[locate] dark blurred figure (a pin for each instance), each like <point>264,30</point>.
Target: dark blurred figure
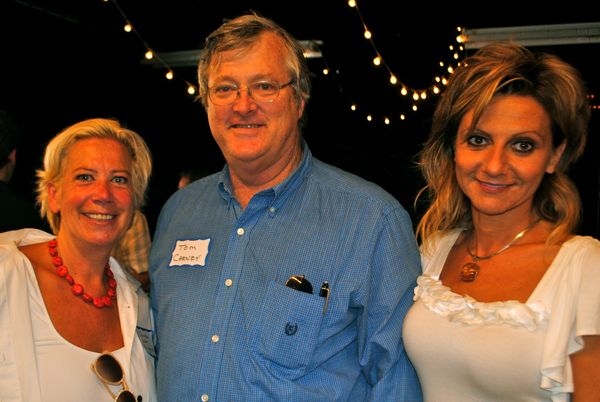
<point>190,175</point>
<point>16,212</point>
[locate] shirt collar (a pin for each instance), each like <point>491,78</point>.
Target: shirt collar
<point>279,192</point>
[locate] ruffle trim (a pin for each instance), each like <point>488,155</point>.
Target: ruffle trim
<point>464,309</point>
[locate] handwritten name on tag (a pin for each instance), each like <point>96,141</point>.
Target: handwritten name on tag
<point>190,252</point>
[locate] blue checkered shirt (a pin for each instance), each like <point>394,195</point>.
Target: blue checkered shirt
<point>230,330</point>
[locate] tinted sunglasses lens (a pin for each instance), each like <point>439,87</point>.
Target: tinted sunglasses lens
<point>110,370</point>
<point>125,396</point>
<point>299,282</point>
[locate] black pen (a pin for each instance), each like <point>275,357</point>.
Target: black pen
<point>324,292</point>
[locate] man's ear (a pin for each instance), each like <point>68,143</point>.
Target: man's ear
<point>12,156</point>
<point>301,108</point>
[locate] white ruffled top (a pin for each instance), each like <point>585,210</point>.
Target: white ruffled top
<point>442,301</point>
<point>565,304</point>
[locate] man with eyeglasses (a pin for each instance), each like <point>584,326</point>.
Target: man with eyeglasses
<point>280,278</point>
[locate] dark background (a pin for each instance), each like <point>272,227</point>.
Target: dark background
<point>64,61</point>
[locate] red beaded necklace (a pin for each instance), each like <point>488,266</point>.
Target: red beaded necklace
<point>76,288</point>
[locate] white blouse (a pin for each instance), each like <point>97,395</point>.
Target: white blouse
<point>465,350</point>
<point>33,356</point>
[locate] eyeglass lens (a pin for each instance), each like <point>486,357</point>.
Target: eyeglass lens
<point>109,369</point>
<point>262,91</point>
<point>126,396</point>
<point>299,282</point>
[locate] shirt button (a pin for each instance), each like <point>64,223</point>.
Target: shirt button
<point>272,210</point>
<point>228,282</point>
<point>204,398</point>
<point>240,231</point>
<point>214,338</point>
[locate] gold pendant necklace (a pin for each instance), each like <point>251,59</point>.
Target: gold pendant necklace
<point>471,269</point>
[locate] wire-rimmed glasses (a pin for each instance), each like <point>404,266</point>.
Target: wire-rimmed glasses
<point>109,371</point>
<point>222,94</point>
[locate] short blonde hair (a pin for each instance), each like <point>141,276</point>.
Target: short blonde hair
<point>58,148</point>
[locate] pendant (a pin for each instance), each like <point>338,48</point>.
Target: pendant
<point>469,272</point>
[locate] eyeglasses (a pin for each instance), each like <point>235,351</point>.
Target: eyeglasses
<point>261,91</point>
<point>109,371</point>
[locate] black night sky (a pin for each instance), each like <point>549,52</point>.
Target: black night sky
<point>64,61</point>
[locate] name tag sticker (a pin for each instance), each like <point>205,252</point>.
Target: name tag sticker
<point>189,252</point>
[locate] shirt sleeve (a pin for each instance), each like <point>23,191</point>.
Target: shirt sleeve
<point>575,312</point>
<point>133,249</point>
<point>394,269</point>
<point>587,315</point>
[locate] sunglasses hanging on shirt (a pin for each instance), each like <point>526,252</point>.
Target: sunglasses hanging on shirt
<point>109,371</point>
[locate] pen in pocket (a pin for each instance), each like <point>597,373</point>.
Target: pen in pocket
<point>324,292</point>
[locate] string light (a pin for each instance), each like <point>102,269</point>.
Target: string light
<point>417,94</point>
<point>149,53</point>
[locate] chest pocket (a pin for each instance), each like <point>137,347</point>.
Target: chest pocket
<point>287,329</point>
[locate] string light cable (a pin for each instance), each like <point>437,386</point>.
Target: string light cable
<point>417,95</point>
<point>150,54</point>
